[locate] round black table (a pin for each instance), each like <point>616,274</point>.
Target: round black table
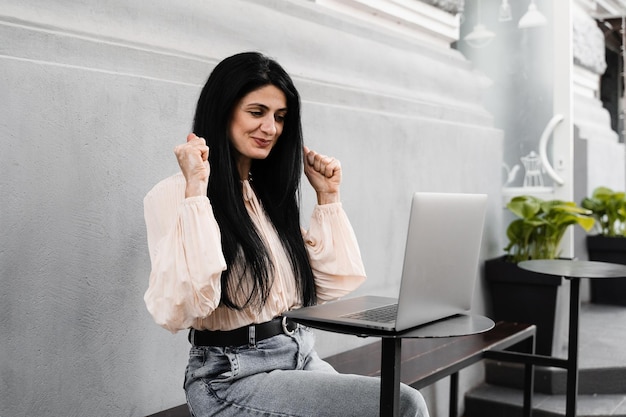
<point>391,352</point>
<point>573,271</point>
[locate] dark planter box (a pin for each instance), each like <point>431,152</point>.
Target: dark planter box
<point>525,297</point>
<point>608,249</point>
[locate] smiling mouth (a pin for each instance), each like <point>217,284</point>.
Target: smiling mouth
<point>263,143</point>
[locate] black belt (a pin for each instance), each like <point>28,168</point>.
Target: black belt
<point>247,335</point>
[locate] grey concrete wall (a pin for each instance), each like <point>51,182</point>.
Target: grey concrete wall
<point>95,95</point>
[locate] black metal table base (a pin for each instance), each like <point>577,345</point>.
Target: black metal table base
<point>390,373</point>
<point>573,271</point>
<point>572,348</point>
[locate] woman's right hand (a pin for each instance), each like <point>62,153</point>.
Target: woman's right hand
<point>193,159</point>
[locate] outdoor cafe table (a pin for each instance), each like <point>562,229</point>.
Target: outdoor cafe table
<point>459,325</point>
<point>573,271</point>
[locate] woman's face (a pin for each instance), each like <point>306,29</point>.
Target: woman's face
<point>257,122</point>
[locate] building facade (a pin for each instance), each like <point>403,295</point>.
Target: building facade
<point>97,93</point>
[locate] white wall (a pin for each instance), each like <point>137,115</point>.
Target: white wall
<point>95,95</point>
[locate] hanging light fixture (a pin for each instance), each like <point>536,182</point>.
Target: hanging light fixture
<point>532,18</point>
<point>504,13</point>
<point>480,36</point>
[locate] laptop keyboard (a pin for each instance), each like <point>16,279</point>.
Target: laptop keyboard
<point>384,314</point>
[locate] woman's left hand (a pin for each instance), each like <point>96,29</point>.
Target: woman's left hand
<point>324,174</point>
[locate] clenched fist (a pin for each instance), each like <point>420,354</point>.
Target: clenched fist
<point>324,174</point>
<point>193,159</point>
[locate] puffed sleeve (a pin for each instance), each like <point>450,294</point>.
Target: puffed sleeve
<point>186,255</point>
<point>334,252</point>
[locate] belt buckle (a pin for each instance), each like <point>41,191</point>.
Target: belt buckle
<point>285,329</point>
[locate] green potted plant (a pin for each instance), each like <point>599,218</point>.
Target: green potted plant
<point>540,227</point>
<point>608,207</point>
<point>535,233</point>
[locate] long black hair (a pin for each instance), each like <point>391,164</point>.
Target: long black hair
<point>276,181</point>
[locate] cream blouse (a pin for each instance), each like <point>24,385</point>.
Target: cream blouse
<point>187,260</point>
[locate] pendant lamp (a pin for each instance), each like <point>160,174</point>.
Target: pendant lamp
<point>532,18</point>
<point>480,36</point>
<point>504,12</point>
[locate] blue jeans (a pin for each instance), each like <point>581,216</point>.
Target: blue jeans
<point>282,376</point>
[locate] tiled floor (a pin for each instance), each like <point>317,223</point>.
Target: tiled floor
<point>602,340</point>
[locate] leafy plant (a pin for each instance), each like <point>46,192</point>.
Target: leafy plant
<point>541,225</point>
<point>608,207</point>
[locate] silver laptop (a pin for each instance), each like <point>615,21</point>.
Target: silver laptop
<point>439,272</point>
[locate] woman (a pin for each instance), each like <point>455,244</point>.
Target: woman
<point>229,257</point>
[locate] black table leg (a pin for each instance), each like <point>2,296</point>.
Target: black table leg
<point>390,376</point>
<point>529,382</point>
<point>572,349</point>
<point>454,394</point>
